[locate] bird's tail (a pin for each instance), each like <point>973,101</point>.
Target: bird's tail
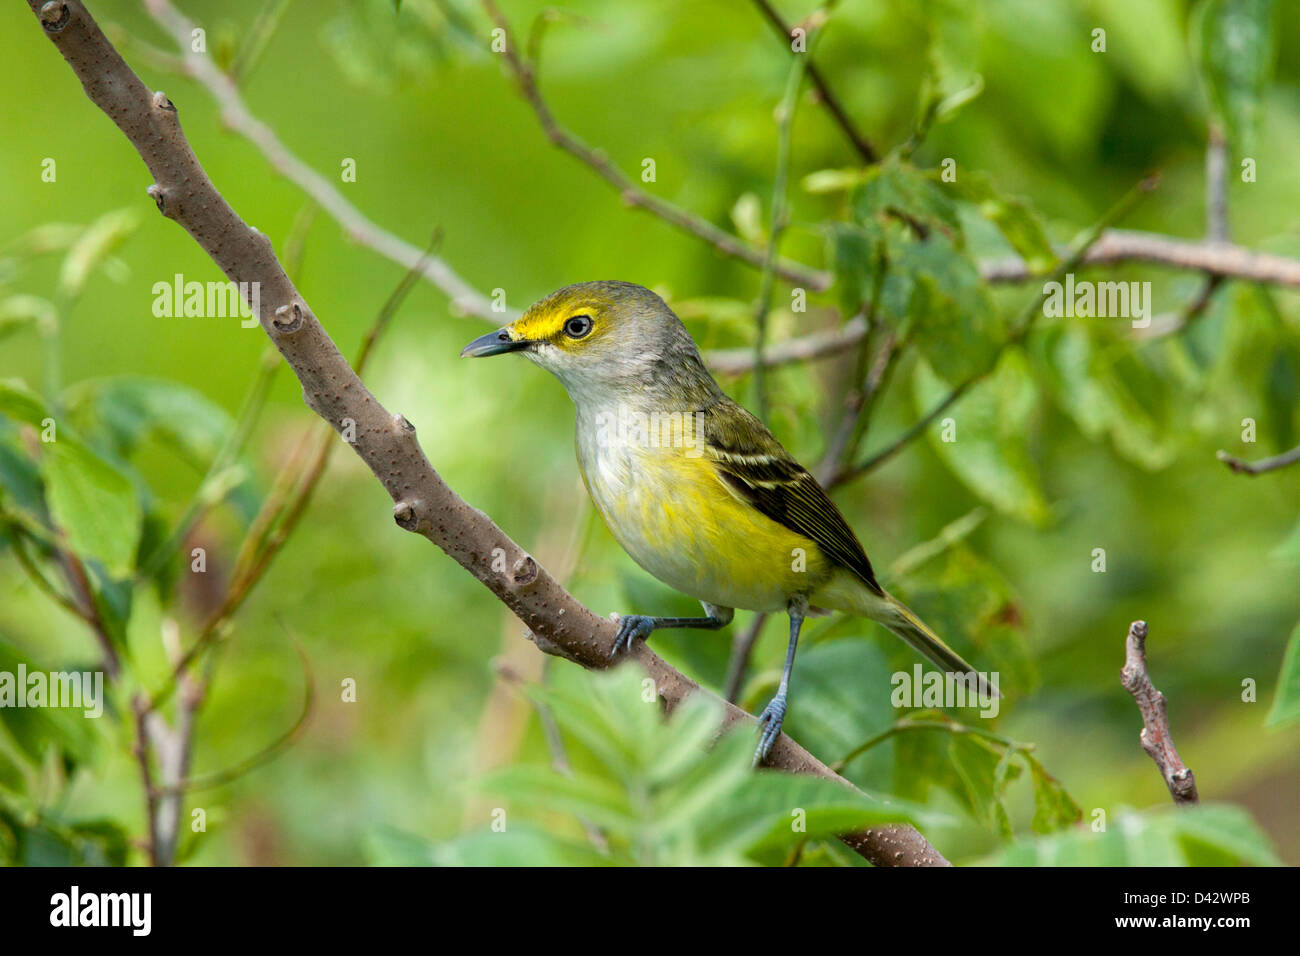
<point>899,618</point>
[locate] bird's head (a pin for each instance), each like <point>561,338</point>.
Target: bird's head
<point>601,339</point>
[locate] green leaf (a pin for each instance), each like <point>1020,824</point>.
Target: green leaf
<point>1017,222</point>
<point>1054,809</point>
<point>856,252</point>
<point>1286,705</point>
<point>94,503</point>
<point>586,797</point>
<point>132,409</point>
<point>518,845</point>
<point>1182,836</point>
<point>973,606</point>
<point>1111,392</point>
<point>90,499</point>
<point>902,189</point>
<point>772,812</point>
<point>985,770</point>
<point>22,493</point>
<point>989,427</point>
<point>93,248</point>
<point>935,290</point>
<point>18,312</point>
<point>678,791</point>
<point>1235,46</point>
<point>20,403</point>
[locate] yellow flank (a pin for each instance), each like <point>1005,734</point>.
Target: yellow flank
<point>679,521</point>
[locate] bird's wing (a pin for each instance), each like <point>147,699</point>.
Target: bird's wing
<point>753,464</point>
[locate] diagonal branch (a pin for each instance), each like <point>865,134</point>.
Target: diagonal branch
<point>525,74</point>
<point>1156,739</point>
<point>236,114</point>
<point>828,97</point>
<point>1243,467</point>
<point>424,503</point>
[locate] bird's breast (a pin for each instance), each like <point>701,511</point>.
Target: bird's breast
<point>674,516</point>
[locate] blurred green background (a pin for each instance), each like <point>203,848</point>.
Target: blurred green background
<point>441,139</point>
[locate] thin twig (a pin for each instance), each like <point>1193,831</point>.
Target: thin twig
<point>525,74</point>
<point>816,345</point>
<point>1174,322</point>
<point>37,576</point>
<point>824,92</point>
<point>1123,245</point>
<point>767,285</point>
<point>1243,467</point>
<point>236,115</point>
<point>141,751</point>
<point>268,753</point>
<point>742,647</point>
<point>1156,739</point>
<point>908,724</point>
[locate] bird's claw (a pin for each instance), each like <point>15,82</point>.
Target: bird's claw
<point>770,721</point>
<point>630,627</point>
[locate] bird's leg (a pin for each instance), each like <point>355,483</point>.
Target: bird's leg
<point>773,714</point>
<point>632,626</point>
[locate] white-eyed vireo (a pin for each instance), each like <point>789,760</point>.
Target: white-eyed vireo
<point>695,488</point>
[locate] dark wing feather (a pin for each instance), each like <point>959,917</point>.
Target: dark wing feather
<point>754,465</point>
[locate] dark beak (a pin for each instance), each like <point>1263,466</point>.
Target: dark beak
<point>494,343</point>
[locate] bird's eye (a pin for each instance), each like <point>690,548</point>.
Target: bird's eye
<point>576,326</point>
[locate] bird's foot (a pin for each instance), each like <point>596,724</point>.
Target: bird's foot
<point>770,721</point>
<point>631,627</point>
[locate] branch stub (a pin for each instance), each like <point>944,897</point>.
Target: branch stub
<point>55,16</point>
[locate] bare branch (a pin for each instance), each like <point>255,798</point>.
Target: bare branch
<point>358,227</point>
<point>1218,262</point>
<point>806,348</point>
<point>827,96</point>
<point>1243,467</point>
<point>1156,739</point>
<point>525,75</point>
<point>742,646</point>
<point>1122,245</point>
<point>424,503</point>
<point>767,286</point>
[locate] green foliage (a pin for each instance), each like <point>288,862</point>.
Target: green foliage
<point>89,499</point>
<point>1286,705</point>
<point>1204,835</point>
<point>664,792</point>
<point>985,441</point>
<point>1235,45</point>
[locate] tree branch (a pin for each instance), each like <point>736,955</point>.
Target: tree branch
<point>828,97</point>
<point>1243,467</point>
<point>1156,739</point>
<point>424,503</point>
<point>1124,245</point>
<point>805,348</point>
<point>525,74</point>
<point>358,227</point>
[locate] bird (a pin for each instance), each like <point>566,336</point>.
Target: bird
<point>694,487</point>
